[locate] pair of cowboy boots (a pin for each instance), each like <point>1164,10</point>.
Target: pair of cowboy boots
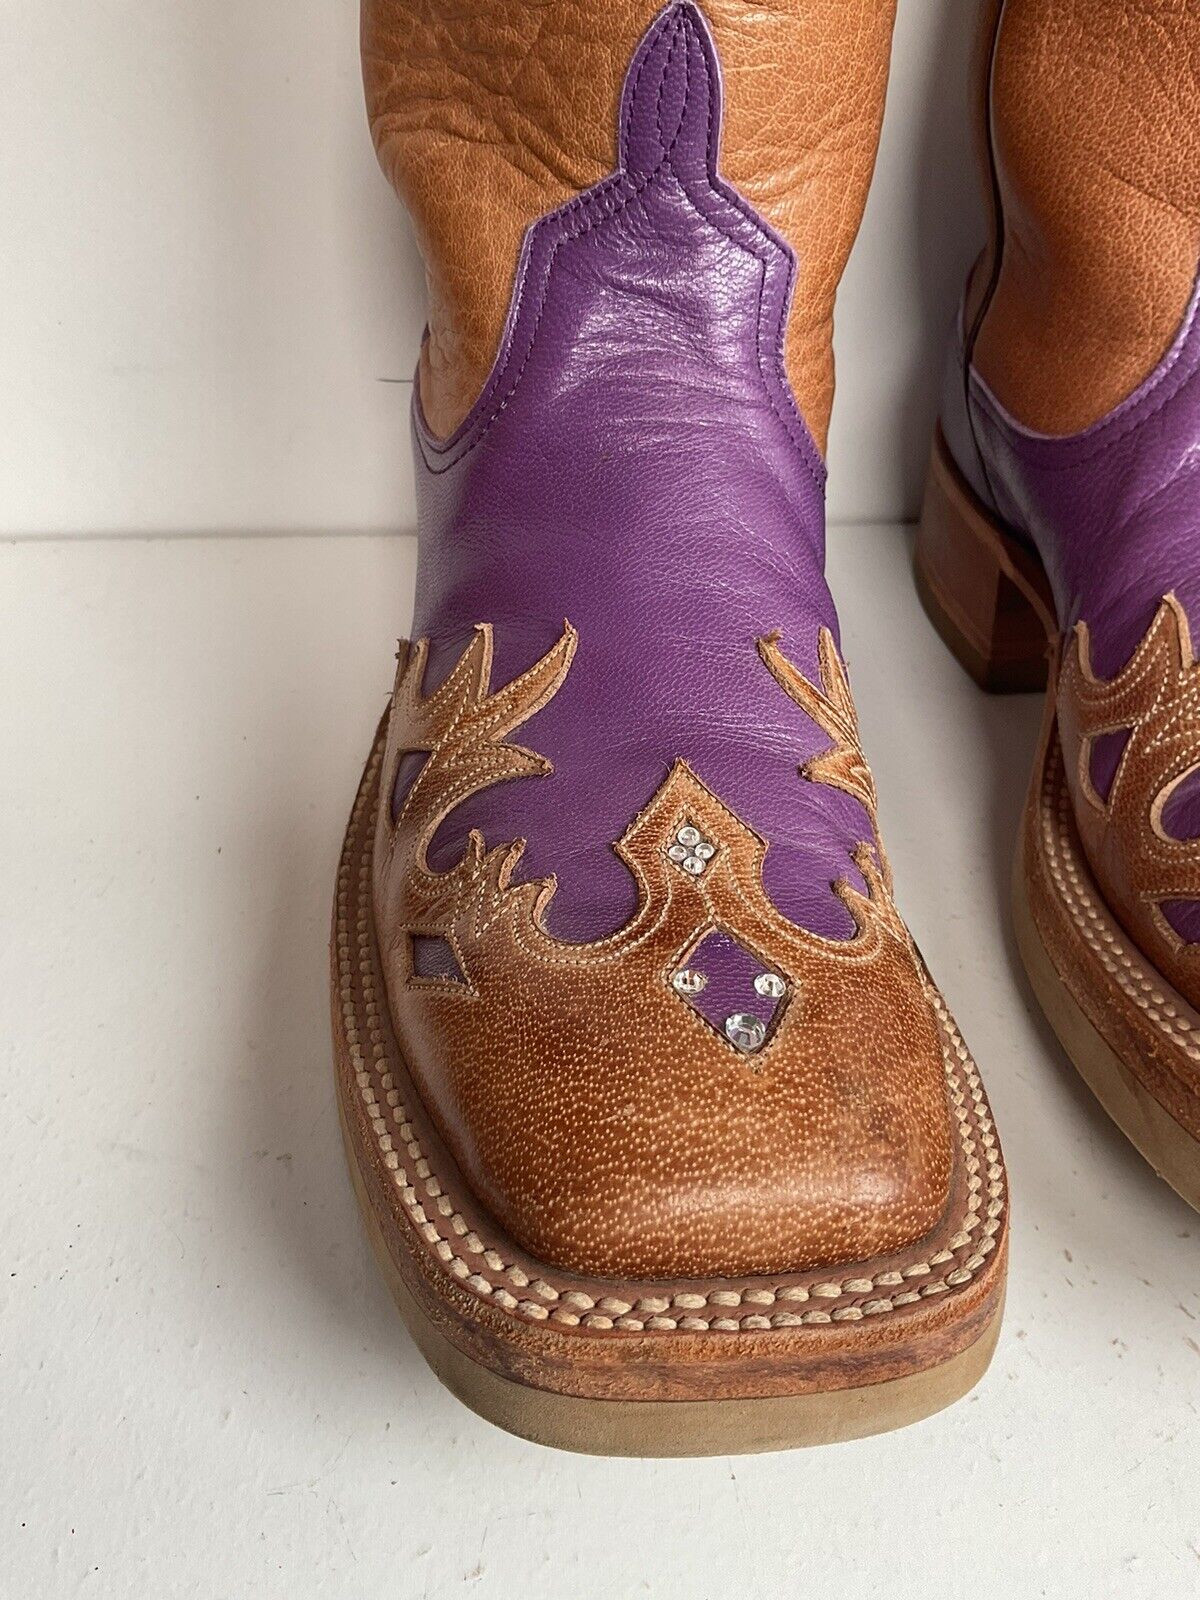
<point>665,1137</point>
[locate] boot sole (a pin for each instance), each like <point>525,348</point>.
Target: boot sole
<point>656,1428</point>
<point>1166,1145</point>
<point>670,1368</point>
<point>1133,1039</point>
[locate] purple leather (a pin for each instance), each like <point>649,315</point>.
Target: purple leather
<point>1114,511</point>
<point>1179,814</point>
<point>1181,820</point>
<point>1184,917</point>
<point>1104,758</point>
<point>729,971</point>
<point>432,957</point>
<point>637,464</point>
<point>1114,514</point>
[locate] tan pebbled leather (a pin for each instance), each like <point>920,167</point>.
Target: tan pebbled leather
<point>1111,975</point>
<point>608,1127</point>
<point>1129,1033</point>
<point>819,1355</point>
<point>1155,699</point>
<point>1095,125</point>
<point>487,117</point>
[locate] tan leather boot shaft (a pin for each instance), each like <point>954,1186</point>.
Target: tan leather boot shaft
<point>1095,132</point>
<point>487,117</point>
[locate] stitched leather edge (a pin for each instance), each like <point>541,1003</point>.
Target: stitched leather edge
<point>1172,1020</point>
<point>448,1238</point>
<point>714,203</point>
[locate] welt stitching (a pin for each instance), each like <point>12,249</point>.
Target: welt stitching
<point>1097,930</point>
<point>609,1312</point>
<point>791,419</point>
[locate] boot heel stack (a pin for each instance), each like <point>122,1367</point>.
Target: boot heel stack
<point>986,595</point>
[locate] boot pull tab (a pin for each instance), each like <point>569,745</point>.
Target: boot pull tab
<point>671,106</point>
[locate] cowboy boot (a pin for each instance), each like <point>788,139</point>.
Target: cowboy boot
<point>666,1140</point>
<point>1063,503</point>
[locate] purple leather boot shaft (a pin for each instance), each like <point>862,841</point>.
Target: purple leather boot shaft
<point>637,465</point>
<point>1113,511</point>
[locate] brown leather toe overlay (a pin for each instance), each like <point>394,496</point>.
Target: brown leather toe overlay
<point>1153,706</point>
<point>606,1123</point>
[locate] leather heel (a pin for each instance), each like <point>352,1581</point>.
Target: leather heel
<point>986,595</point>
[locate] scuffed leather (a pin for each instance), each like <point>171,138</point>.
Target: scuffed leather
<point>488,117</point>
<point>1095,124</point>
<point>603,1122</point>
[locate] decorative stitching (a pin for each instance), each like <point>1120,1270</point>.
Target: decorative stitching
<point>1093,922</point>
<point>1156,696</point>
<point>843,766</point>
<point>439,456</point>
<point>484,718</point>
<point>1124,420</point>
<point>667,149</point>
<point>452,1241</point>
<point>479,419</point>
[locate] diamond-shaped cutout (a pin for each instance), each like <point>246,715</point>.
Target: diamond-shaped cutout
<point>432,959</point>
<point>735,992</point>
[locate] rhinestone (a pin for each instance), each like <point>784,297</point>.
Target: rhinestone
<point>705,850</point>
<point>689,981</point>
<point>677,852</point>
<point>745,1031</point>
<point>688,836</point>
<point>692,864</point>
<point>769,984</point>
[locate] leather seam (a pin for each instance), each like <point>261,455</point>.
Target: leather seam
<point>981,1215</point>
<point>439,458</point>
<point>1126,419</point>
<point>1063,867</point>
<point>589,203</point>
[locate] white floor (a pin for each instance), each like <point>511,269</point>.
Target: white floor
<point>204,1389</point>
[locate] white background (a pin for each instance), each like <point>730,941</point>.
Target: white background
<point>205,1392</point>
<point>205,282</point>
